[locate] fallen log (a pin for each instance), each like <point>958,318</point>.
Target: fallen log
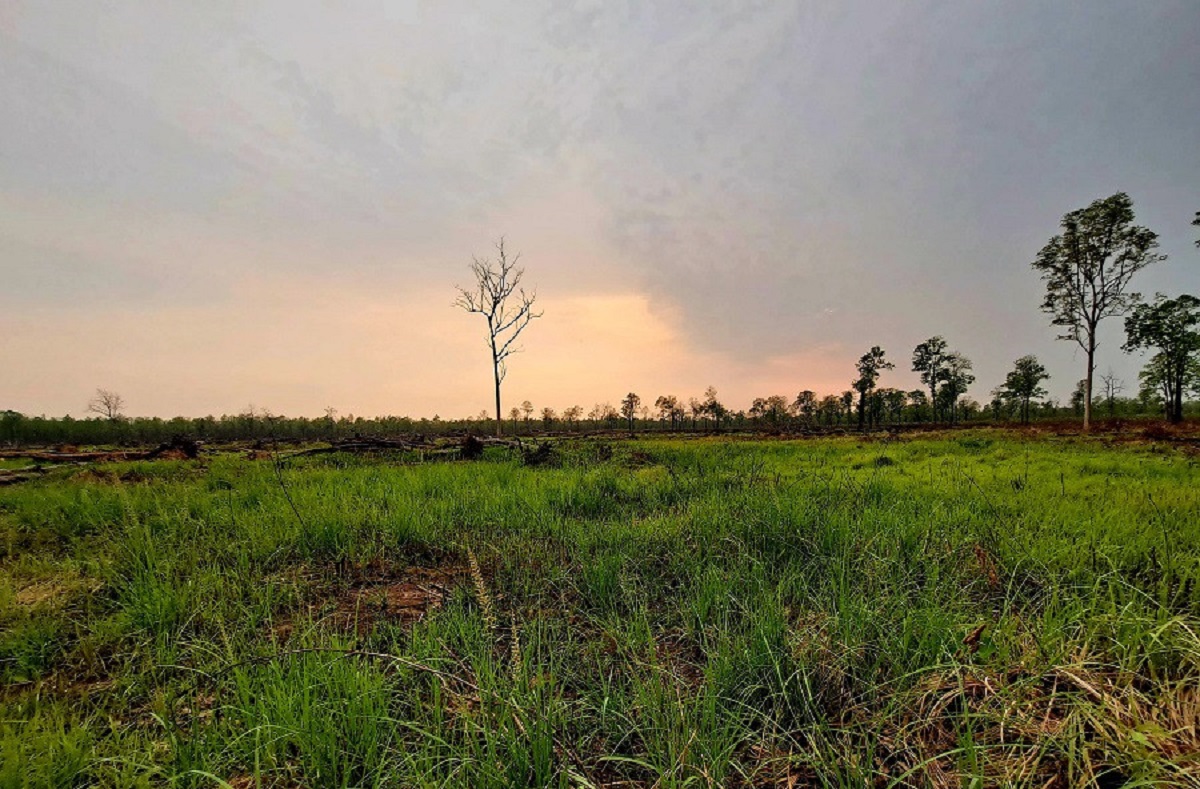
<point>13,476</point>
<point>364,445</point>
<point>468,447</point>
<point>71,457</point>
<point>503,442</point>
<point>177,447</point>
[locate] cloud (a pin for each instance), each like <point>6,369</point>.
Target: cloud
<point>778,185</point>
<point>296,344</point>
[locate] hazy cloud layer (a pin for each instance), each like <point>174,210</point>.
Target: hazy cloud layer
<point>763,192</point>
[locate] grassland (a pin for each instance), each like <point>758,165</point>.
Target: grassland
<point>969,609</point>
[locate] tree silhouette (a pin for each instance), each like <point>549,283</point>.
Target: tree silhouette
<point>805,405</point>
<point>1173,327</point>
<point>1024,383</point>
<point>1087,270</point>
<point>629,407</point>
<point>830,409</point>
<point>955,377</point>
<point>713,407</point>
<point>869,366</point>
<point>893,401</point>
<point>107,404</point>
<point>847,401</point>
<point>928,359</point>
<point>1158,385</point>
<point>775,409</point>
<point>918,400</point>
<point>1113,386</point>
<point>669,409</point>
<point>504,304</point>
<point>604,412</point>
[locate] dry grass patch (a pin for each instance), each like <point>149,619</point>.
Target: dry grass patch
<point>1086,720</point>
<point>358,598</point>
<point>44,595</point>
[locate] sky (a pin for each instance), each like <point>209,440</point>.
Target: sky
<point>211,206</point>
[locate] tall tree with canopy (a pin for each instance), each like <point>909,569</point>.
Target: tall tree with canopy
<point>805,405</point>
<point>1087,270</point>
<point>829,410</point>
<point>573,414</point>
<point>928,359</point>
<point>713,407</point>
<point>894,401</point>
<point>773,409</point>
<point>1024,383</point>
<point>917,399</point>
<point>667,405</point>
<point>629,408</point>
<point>1158,387</point>
<point>1172,326</point>
<point>504,304</point>
<point>955,377</point>
<point>847,401</point>
<point>869,366</point>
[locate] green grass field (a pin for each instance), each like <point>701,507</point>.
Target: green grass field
<point>967,609</point>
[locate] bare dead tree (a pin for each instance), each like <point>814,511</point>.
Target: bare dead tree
<point>1113,386</point>
<point>107,404</point>
<point>504,304</point>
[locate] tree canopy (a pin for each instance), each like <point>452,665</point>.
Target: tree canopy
<point>1024,383</point>
<point>1087,269</point>
<point>928,359</point>
<point>1172,326</point>
<point>869,366</point>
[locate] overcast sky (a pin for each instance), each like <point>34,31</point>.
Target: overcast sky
<point>205,206</point>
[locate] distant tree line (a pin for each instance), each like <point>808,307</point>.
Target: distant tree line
<point>1021,398</point>
<point>1087,270</point>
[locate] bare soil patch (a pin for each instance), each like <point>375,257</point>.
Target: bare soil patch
<point>360,598</point>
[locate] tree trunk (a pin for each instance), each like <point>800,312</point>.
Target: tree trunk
<point>1087,387</point>
<point>499,418</point>
<point>1177,403</point>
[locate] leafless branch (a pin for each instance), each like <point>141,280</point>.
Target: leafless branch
<point>507,308</point>
<point>107,404</point>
